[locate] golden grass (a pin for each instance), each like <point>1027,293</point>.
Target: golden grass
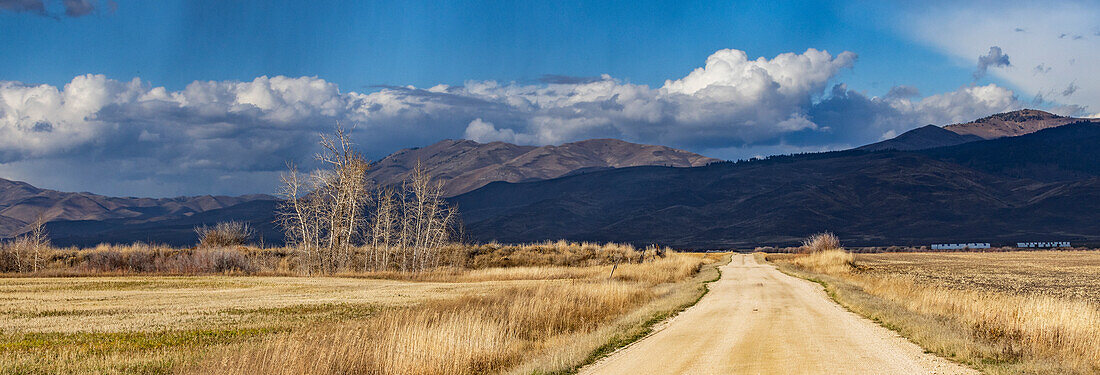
<point>833,261</point>
<point>500,319</point>
<point>471,335</point>
<point>994,330</point>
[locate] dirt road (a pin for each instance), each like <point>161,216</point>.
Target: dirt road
<point>756,320</point>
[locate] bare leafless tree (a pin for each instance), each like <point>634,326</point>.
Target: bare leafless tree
<point>330,212</point>
<point>299,216</point>
<point>384,228</point>
<point>346,195</point>
<point>323,213</point>
<point>29,250</point>
<point>427,220</point>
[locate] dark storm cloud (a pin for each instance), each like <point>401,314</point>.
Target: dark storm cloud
<point>30,6</point>
<point>854,118</point>
<point>995,58</point>
<point>1072,88</point>
<point>73,8</point>
<point>78,8</point>
<point>902,92</point>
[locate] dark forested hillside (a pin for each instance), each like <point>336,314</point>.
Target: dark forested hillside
<point>980,191</point>
<point>1063,153</point>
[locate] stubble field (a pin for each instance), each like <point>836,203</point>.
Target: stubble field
<point>1064,274</point>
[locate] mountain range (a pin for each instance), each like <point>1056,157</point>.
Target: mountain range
<point>467,165</point>
<point>1008,124</point>
<point>1023,175</point>
<point>21,204</point>
<point>1037,186</point>
<point>87,219</point>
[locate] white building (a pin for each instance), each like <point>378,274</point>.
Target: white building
<point>960,246</point>
<point>1043,244</point>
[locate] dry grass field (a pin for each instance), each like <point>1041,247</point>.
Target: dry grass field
<point>1064,274</point>
<point>1031,312</point>
<point>548,318</point>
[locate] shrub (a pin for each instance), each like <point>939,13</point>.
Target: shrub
<point>230,233</point>
<point>9,258</point>
<point>821,242</point>
<point>105,260</point>
<point>222,261</point>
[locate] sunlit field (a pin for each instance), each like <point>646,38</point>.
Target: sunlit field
<point>1064,274</point>
<point>1005,313</point>
<point>549,314</point>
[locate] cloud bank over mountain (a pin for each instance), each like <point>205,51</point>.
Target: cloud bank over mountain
<point>130,137</point>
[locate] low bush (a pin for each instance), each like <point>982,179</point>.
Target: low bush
<point>231,233</point>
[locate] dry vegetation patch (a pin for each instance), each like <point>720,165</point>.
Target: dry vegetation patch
<point>1010,313</point>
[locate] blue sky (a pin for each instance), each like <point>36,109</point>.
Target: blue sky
<point>358,44</point>
<point>166,98</point>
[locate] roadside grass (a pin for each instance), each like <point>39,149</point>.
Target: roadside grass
<point>566,359</point>
<point>995,332</point>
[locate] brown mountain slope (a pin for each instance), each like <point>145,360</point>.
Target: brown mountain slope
<point>467,165</point>
<point>21,204</point>
<point>1011,124</point>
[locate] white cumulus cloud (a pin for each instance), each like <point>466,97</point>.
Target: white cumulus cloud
<point>130,137</point>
